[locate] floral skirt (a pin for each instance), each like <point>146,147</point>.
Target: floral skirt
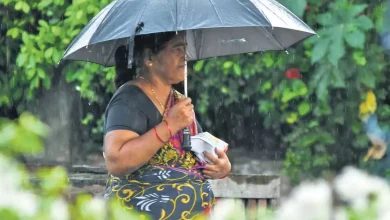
<point>162,193</point>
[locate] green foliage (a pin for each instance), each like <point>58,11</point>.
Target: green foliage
<point>296,6</point>
<point>45,198</point>
<point>312,119</point>
<point>38,33</point>
<point>23,135</point>
<point>315,117</point>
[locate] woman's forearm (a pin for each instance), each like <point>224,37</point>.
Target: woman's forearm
<point>138,151</point>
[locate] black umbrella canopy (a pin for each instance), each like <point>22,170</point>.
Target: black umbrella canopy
<point>213,27</point>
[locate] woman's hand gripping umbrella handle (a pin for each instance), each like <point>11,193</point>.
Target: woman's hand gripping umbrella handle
<point>186,144</point>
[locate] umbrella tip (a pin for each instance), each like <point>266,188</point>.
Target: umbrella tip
<point>58,63</point>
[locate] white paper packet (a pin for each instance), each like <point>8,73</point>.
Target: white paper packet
<point>206,142</point>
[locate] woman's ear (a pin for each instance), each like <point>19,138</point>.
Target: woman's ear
<point>148,57</point>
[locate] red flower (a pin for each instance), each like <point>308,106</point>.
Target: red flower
<point>293,73</point>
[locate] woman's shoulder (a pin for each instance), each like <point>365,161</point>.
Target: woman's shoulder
<point>127,94</point>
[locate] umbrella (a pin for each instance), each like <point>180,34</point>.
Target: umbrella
<point>213,28</point>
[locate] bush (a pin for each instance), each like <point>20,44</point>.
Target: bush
<point>46,198</point>
<point>312,119</point>
<point>307,101</point>
<point>352,195</point>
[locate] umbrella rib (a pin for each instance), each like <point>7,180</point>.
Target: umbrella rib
<point>112,51</point>
<point>131,41</point>
<point>195,40</point>
<point>257,9</point>
<point>281,45</point>
<point>98,29</point>
<point>262,13</point>
<point>176,22</point>
<point>216,12</point>
<point>272,12</point>
<point>79,35</point>
<point>185,6</point>
<point>197,51</point>
<point>143,12</point>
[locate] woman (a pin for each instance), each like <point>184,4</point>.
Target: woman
<point>148,170</point>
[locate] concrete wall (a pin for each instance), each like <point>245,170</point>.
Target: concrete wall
<point>58,107</point>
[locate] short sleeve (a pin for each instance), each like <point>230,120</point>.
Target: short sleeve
<point>123,112</point>
<point>125,117</point>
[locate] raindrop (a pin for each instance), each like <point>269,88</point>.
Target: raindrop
<point>89,103</point>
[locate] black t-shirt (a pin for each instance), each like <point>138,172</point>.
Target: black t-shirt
<point>131,109</point>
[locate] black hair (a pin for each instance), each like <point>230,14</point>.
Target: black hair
<point>154,42</point>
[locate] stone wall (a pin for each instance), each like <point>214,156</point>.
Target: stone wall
<point>58,107</point>
<point>262,190</point>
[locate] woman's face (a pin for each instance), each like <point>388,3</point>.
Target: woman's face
<point>170,62</point>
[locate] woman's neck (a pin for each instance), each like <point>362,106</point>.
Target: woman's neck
<point>160,85</point>
<point>159,90</point>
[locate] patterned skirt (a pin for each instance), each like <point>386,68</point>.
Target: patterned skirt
<point>162,192</point>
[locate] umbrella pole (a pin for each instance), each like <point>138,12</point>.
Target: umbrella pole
<point>186,145</point>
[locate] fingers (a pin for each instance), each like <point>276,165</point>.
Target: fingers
<point>185,101</point>
<point>207,177</point>
<point>220,167</point>
<point>210,167</point>
<point>211,157</point>
<point>182,113</point>
<point>188,113</point>
<point>188,110</point>
<point>220,153</point>
<point>209,173</point>
<point>187,107</point>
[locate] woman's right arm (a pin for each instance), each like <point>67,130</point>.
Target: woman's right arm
<point>125,151</point>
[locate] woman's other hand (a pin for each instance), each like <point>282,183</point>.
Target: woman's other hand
<point>221,165</point>
<point>181,115</point>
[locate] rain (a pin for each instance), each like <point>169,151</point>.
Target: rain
<point>288,119</point>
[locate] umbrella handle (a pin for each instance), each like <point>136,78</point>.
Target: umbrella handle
<point>186,145</point>
<point>185,82</point>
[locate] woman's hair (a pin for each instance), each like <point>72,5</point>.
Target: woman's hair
<point>153,42</point>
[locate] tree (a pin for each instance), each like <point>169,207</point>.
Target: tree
<point>313,118</point>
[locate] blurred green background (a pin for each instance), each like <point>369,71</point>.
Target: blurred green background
<point>253,101</point>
